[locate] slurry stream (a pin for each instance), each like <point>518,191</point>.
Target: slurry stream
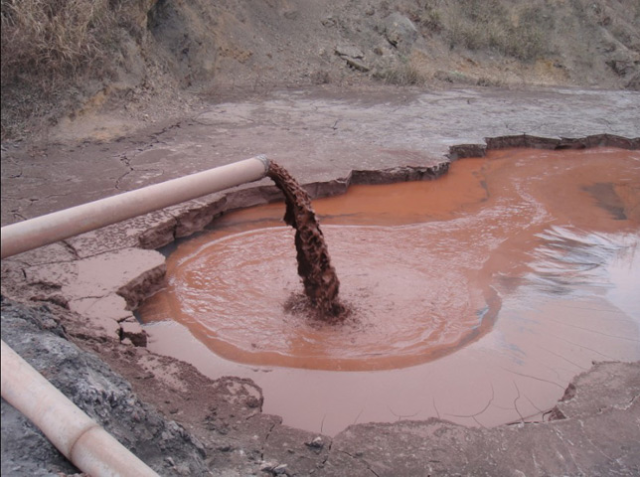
<point>477,297</point>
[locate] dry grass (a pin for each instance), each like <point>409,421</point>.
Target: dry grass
<point>488,25</point>
<point>53,37</point>
<point>404,74</point>
<point>54,45</point>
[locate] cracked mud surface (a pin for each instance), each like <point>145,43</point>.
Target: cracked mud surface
<point>321,138</point>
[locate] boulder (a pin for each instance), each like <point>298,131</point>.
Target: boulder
<point>400,32</point>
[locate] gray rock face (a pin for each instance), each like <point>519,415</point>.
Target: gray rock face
<point>400,32</point>
<point>94,388</point>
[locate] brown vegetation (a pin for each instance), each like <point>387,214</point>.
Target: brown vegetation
<point>57,55</point>
<point>52,47</point>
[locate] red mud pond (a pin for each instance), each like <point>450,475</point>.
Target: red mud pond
<point>476,297</point>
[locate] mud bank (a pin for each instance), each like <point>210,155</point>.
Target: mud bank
<point>508,271</point>
<point>195,219</point>
<point>593,431</point>
<point>74,279</point>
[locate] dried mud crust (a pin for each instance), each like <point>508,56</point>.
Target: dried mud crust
<point>225,415</point>
<point>204,427</point>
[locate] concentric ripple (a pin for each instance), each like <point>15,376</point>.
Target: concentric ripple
<point>407,307</point>
<point>505,279</point>
<point>421,284</point>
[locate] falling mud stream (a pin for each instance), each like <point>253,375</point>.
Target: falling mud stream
<point>321,284</point>
<point>475,298</point>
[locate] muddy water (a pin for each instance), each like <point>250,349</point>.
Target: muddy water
<point>515,271</point>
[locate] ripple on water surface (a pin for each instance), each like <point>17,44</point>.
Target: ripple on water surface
<point>512,270</point>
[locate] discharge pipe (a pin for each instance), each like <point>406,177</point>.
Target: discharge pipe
<point>81,439</point>
<point>44,230</point>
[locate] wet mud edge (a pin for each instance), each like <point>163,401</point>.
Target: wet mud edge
<point>351,452</point>
<point>193,219</point>
<point>197,218</point>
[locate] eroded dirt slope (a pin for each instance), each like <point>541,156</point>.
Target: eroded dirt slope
<point>146,59</point>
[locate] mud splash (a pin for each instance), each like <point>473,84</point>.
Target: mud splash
<point>321,284</point>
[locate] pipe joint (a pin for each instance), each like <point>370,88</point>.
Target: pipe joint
<point>265,161</point>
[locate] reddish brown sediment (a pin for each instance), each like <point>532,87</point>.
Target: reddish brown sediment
<point>495,282</point>
<point>321,284</point>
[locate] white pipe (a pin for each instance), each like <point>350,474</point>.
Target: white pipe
<point>92,449</point>
<point>76,435</point>
<point>50,228</point>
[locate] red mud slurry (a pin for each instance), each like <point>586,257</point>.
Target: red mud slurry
<point>321,285</point>
<point>516,271</point>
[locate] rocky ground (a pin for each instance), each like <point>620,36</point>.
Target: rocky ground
<point>67,307</point>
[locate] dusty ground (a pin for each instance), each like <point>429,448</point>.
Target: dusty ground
<point>68,313</point>
<point>154,59</point>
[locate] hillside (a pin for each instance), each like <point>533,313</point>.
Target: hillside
<point>153,58</point>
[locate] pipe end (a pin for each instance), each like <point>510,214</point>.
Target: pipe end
<point>265,161</point>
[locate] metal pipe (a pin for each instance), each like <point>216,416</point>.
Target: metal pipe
<point>81,439</point>
<point>50,228</point>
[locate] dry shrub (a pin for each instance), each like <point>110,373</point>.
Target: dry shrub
<point>403,74</point>
<point>53,38</point>
<point>50,48</point>
<point>487,25</point>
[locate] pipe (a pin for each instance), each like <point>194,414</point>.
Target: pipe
<point>81,439</point>
<point>29,234</point>
<point>78,437</point>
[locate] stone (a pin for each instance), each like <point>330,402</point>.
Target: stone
<point>267,466</point>
<point>349,51</point>
<point>400,32</point>
<point>357,65</point>
<point>316,443</point>
<point>353,56</point>
<point>280,469</point>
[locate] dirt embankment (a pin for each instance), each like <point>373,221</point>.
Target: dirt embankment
<point>64,61</point>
